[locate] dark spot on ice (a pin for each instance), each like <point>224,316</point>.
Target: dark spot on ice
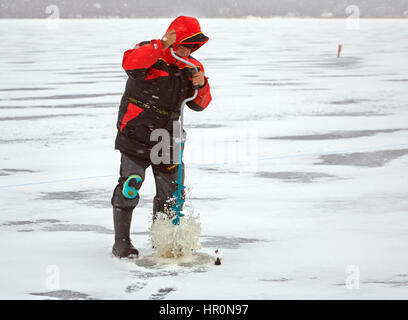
<point>22,62</point>
<point>337,135</point>
<point>65,295</point>
<point>161,293</point>
<point>298,177</point>
<point>362,159</point>
<point>275,280</point>
<point>396,80</point>
<point>7,172</point>
<point>17,223</point>
<point>78,228</point>
<point>348,101</point>
<point>339,284</point>
<point>28,222</point>
<point>395,281</point>
<point>225,242</point>
<point>47,221</point>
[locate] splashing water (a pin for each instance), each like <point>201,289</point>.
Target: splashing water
<point>176,242</point>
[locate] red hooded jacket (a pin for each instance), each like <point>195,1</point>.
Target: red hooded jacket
<point>156,86</point>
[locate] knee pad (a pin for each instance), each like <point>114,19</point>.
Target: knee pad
<point>131,186</point>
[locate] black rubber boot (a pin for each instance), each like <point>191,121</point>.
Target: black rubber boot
<point>163,207</point>
<point>123,247</point>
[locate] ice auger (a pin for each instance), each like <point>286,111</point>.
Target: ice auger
<point>180,187</point>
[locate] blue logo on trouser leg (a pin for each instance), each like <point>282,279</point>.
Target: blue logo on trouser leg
<point>129,190</point>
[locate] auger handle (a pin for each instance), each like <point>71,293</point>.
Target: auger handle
<point>180,187</point>
<point>188,99</point>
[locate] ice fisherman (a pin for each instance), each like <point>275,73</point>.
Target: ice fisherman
<point>157,84</point>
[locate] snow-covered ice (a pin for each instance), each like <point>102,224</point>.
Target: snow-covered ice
<point>297,169</point>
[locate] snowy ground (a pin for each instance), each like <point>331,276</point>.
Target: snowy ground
<point>298,168</point>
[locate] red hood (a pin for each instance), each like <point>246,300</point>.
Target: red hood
<point>188,30</point>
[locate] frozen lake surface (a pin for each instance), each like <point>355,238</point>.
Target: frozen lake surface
<point>298,168</point>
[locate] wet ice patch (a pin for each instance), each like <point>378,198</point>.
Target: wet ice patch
<point>176,242</point>
<point>7,172</point>
<point>78,228</point>
<point>399,280</point>
<point>337,135</point>
<point>69,195</point>
<point>226,242</point>
<point>348,101</point>
<point>197,261</point>
<point>29,222</point>
<point>298,177</point>
<point>362,159</point>
<point>97,198</point>
<point>64,295</point>
<point>397,80</point>
<point>275,280</point>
